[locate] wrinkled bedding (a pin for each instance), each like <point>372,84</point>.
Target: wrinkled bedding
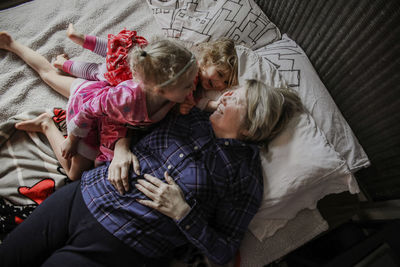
<point>29,171</point>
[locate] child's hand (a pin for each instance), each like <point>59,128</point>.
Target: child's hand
<point>118,171</point>
<point>186,106</point>
<point>212,105</point>
<point>69,147</point>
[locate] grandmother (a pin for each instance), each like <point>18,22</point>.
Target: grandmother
<point>200,184</point>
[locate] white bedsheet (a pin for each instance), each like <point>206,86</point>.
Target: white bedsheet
<point>41,25</point>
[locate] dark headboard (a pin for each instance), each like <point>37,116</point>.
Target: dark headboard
<point>355,48</point>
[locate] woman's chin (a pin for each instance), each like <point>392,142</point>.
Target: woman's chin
<point>214,117</point>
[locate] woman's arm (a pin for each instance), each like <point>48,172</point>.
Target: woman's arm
<point>220,238</point>
<point>218,241</point>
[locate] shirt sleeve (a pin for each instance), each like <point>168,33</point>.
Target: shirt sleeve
<point>116,103</point>
<point>220,241</point>
<point>110,132</point>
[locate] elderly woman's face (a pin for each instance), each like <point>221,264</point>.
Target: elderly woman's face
<point>227,120</point>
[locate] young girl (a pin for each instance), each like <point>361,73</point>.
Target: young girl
<point>163,71</point>
<point>217,61</point>
<point>115,49</point>
<point>115,71</point>
<point>218,71</point>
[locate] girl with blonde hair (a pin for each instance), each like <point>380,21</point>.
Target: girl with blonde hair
<point>218,71</point>
<point>98,113</point>
<point>217,62</point>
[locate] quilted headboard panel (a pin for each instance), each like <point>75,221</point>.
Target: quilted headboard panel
<point>354,46</point>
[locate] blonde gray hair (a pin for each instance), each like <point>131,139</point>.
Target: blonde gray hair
<point>161,62</point>
<point>269,110</point>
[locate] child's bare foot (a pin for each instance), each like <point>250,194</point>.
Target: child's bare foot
<point>60,60</point>
<point>75,36</point>
<point>5,40</point>
<point>38,124</point>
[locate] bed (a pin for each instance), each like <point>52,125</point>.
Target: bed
<point>317,155</point>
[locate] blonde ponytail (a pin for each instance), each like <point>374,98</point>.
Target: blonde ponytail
<point>159,62</point>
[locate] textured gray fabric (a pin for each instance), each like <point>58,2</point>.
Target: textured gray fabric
<point>41,25</point>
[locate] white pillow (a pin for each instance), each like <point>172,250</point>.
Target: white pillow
<point>300,166</point>
<point>252,66</point>
<point>199,21</point>
<point>295,67</point>
<point>299,169</point>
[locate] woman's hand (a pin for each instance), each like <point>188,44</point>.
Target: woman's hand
<point>118,171</point>
<point>166,198</point>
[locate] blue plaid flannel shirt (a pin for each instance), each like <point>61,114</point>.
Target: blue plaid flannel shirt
<point>220,178</point>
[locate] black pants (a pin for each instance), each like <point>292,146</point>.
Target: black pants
<point>62,232</point>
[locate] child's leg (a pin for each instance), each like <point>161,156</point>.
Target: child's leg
<point>93,43</point>
<point>47,72</point>
<point>76,37</point>
<point>84,70</point>
<point>44,124</point>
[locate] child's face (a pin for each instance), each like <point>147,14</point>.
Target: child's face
<point>212,78</point>
<point>182,89</point>
<point>179,93</point>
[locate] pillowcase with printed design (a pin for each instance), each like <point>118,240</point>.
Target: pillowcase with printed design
<point>198,21</point>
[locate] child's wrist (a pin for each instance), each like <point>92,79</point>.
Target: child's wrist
<point>122,145</point>
<point>212,104</point>
<point>73,137</point>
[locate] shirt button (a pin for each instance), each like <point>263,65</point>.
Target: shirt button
<point>196,147</point>
<point>169,167</point>
<point>181,155</point>
<point>187,227</point>
<point>226,143</point>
